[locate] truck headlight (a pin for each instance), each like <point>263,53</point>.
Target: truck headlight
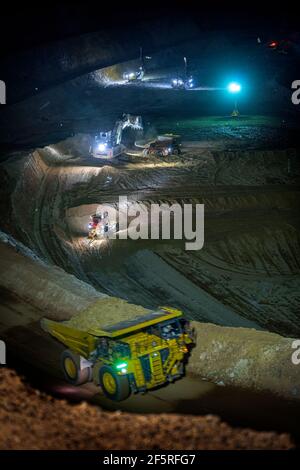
<point>101,147</point>
<point>121,365</point>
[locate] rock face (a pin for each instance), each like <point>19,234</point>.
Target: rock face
<point>54,424</point>
<point>245,358</point>
<point>46,289</point>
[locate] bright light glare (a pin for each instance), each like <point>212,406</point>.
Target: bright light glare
<point>101,147</point>
<point>234,87</point>
<point>177,81</point>
<point>123,365</point>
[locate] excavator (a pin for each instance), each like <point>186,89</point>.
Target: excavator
<point>107,144</point>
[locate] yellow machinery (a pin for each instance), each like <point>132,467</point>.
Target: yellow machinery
<point>131,356</point>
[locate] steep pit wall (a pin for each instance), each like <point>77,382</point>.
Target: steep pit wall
<point>247,274</point>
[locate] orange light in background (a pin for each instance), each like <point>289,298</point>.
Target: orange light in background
<point>273,44</point>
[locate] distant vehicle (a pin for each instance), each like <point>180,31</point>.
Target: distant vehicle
<point>283,46</point>
<point>164,145</point>
<point>184,82</point>
<point>129,357</point>
<point>136,75</point>
<point>189,83</point>
<point>287,45</point>
<point>107,144</point>
<point>95,219</point>
<point>178,83</point>
<point>100,226</point>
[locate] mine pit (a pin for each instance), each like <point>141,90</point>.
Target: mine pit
<point>250,252</point>
<point>92,317</point>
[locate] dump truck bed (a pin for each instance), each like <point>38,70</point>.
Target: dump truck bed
<point>84,342</point>
<point>78,341</point>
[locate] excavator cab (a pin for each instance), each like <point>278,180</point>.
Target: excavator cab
<point>101,145</point>
<point>108,144</point>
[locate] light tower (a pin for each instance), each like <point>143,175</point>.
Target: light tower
<point>235,89</point>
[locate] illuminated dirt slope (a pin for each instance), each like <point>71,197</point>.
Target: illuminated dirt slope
<point>247,274</point>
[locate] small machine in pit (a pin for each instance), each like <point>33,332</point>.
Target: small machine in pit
<point>101,226</point>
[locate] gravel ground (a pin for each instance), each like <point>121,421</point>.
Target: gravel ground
<point>56,424</point>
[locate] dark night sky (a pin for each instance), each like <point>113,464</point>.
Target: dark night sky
<point>26,24</point>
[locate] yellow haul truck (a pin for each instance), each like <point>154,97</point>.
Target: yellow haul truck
<point>131,356</point>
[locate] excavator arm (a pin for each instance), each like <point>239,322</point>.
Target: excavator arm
<point>128,120</point>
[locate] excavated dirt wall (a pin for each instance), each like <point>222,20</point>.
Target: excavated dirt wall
<point>244,280</point>
<point>247,274</point>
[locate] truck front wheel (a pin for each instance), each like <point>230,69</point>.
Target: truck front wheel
<point>115,387</point>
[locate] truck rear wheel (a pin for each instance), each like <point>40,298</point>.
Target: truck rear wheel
<point>115,387</point>
<point>70,364</point>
